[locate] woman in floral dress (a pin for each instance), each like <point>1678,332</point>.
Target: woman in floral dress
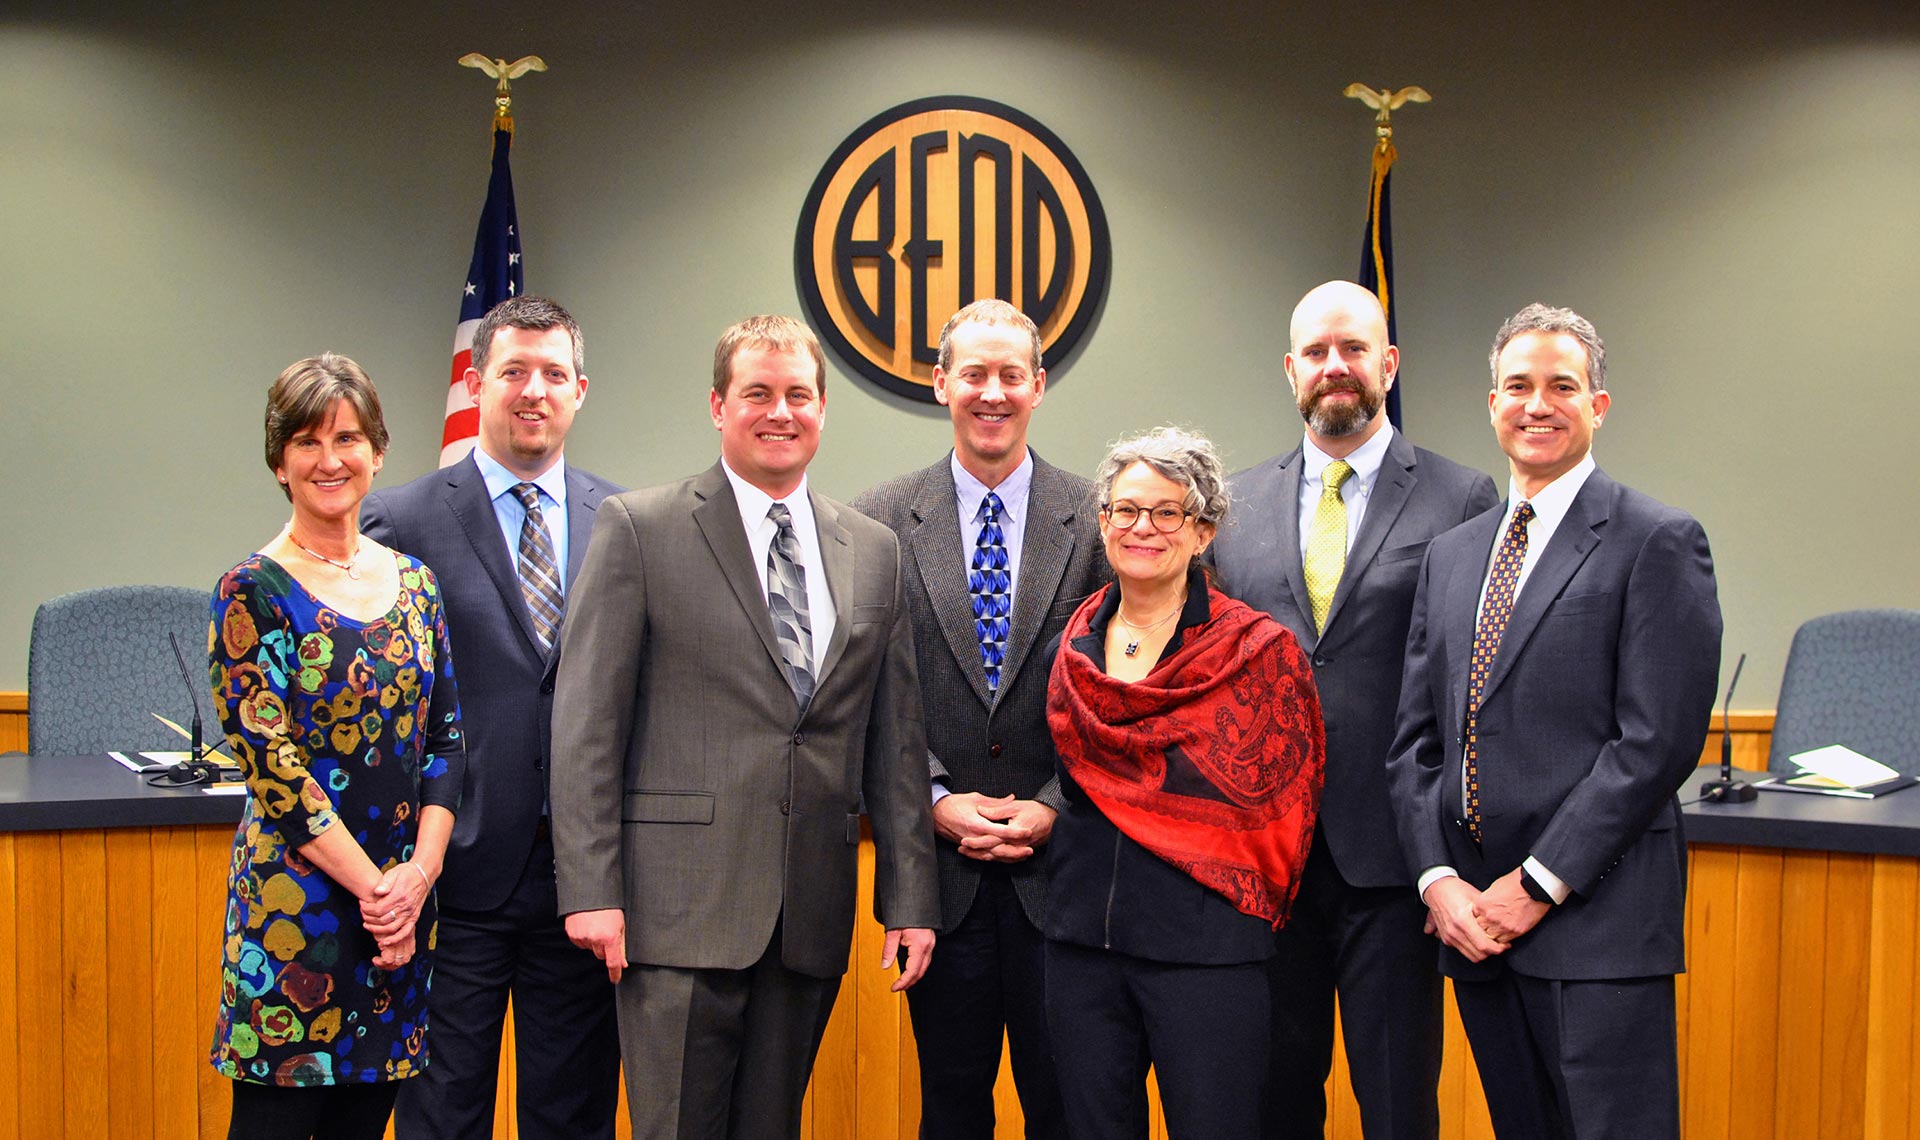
<point>334,681</point>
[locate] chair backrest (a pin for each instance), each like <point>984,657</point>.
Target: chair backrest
<point>1852,678</point>
<point>99,666</point>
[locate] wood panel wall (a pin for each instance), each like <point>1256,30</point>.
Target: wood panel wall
<point>1797,1020</point>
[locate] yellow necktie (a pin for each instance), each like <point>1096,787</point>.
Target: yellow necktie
<point>1327,543</point>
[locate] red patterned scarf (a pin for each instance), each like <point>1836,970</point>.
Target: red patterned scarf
<point>1237,700</point>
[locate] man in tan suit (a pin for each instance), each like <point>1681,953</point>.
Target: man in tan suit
<point>737,672</point>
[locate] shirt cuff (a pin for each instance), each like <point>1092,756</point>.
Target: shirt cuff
<point>1547,879</point>
<point>1433,875</point>
<point>941,791</point>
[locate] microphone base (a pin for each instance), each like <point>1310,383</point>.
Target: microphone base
<point>1728,791</point>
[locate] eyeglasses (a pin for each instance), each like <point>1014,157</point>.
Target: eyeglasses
<point>1166,517</point>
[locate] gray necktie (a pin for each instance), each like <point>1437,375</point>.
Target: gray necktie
<point>787,604</point>
<point>539,577</point>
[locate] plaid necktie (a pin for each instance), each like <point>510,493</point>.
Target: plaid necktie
<point>992,589</point>
<point>787,604</point>
<point>1494,611</point>
<point>1327,543</point>
<point>539,578</point>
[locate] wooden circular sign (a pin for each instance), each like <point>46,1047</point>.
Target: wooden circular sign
<point>932,205</point>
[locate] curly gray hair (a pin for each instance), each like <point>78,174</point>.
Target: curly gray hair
<point>1184,457</point>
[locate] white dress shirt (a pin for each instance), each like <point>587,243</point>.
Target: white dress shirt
<point>1550,508</point>
<point>753,503</point>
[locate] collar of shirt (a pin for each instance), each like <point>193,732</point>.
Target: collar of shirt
<point>512,516</point>
<point>1549,506</point>
<point>1365,461</point>
<point>753,504</point>
<point>1354,493</point>
<point>970,492</point>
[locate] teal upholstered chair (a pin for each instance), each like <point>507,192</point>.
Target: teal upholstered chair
<point>99,666</point>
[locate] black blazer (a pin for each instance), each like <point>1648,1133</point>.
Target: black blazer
<point>1593,717</point>
<point>445,519</point>
<point>998,745</point>
<point>1358,661</point>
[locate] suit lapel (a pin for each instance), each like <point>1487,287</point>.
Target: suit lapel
<point>1046,544</point>
<point>836,553</point>
<point>1391,490</point>
<point>468,502</point>
<point>1287,515</point>
<point>718,517</point>
<point>940,556</point>
<point>1462,607</point>
<point>583,499</point>
<point>1573,541</point>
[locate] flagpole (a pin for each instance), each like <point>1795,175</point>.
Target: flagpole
<point>1376,255</point>
<point>495,272</point>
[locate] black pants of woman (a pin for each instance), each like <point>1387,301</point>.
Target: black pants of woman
<point>326,1112</point>
<point>1204,1030</point>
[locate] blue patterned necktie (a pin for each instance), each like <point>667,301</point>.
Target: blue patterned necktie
<point>787,604</point>
<point>1494,611</point>
<point>992,588</point>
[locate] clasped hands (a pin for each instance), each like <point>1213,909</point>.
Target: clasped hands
<point>1480,924</point>
<point>392,910</point>
<point>993,829</point>
<point>604,932</point>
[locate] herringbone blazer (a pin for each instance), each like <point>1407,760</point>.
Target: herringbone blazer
<point>999,744</point>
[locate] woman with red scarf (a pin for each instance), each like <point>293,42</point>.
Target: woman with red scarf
<point>1190,760</point>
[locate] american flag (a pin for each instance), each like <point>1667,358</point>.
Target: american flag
<point>495,275</point>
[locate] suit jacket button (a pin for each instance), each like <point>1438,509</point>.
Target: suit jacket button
<point>546,686</point>
<point>1319,661</point>
<point>799,738</point>
<point>994,750</point>
<point>786,807</point>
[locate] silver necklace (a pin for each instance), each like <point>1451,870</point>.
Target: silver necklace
<point>347,565</point>
<point>1133,647</point>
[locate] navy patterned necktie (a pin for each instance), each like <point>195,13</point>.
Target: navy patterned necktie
<point>991,585</point>
<point>1494,611</point>
<point>539,577</point>
<point>787,604</point>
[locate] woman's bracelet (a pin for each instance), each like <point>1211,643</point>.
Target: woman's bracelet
<point>423,875</point>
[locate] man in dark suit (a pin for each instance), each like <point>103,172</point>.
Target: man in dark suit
<point>1560,676</point>
<point>495,527</point>
<point>738,674</point>
<point>1328,539</point>
<point>999,546</point>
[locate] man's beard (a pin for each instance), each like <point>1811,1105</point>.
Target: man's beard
<point>1334,420</point>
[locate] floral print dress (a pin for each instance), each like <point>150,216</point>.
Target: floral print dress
<point>335,722</point>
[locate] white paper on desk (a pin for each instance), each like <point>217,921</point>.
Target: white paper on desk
<point>132,766</point>
<point>225,790</point>
<point>1843,765</point>
<point>167,757</point>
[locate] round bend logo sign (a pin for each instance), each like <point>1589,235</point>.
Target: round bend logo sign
<point>935,204</point>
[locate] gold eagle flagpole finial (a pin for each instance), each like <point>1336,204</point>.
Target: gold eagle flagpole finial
<point>501,70</point>
<point>1384,102</point>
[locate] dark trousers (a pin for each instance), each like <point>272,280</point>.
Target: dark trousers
<point>988,972</point>
<point>1203,1029</point>
<point>566,1045</point>
<point>1368,945</point>
<point>1575,1060</point>
<point>721,1054</point>
<point>329,1112</point>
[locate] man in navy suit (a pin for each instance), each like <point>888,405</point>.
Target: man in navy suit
<point>1356,925</point>
<point>1560,675</point>
<point>505,530</point>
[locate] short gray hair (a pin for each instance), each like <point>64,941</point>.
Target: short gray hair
<point>1184,457</point>
<point>988,311</point>
<point>1547,319</point>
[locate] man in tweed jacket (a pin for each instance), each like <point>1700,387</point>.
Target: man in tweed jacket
<point>990,756</point>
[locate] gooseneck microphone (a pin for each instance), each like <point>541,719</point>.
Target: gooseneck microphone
<point>197,769</point>
<point>1727,790</point>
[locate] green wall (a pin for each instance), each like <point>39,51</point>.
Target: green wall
<point>190,200</point>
